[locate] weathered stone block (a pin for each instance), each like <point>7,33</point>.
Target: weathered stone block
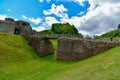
<point>42,46</point>
<point>78,49</point>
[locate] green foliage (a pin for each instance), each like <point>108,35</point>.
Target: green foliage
<point>18,61</point>
<point>119,26</point>
<point>47,32</point>
<point>59,28</point>
<point>114,33</point>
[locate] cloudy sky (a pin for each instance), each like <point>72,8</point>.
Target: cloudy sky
<point>90,17</point>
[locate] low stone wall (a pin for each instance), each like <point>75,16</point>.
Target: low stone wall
<point>78,49</point>
<point>42,46</point>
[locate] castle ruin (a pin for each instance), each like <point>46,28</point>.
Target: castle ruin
<point>42,46</point>
<point>11,26</point>
<point>69,48</point>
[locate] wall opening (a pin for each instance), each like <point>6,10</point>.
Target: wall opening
<point>16,31</point>
<point>31,33</point>
<point>24,24</point>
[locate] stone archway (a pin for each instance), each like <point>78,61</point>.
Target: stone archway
<point>16,31</point>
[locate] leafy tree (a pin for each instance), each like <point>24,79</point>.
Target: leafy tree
<point>59,28</point>
<point>114,33</point>
<point>47,32</point>
<point>66,28</point>
<point>119,26</point>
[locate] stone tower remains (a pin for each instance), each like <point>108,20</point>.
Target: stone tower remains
<point>16,27</point>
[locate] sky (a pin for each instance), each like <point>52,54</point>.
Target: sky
<point>90,17</point>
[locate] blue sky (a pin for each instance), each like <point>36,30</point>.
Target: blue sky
<point>90,17</point>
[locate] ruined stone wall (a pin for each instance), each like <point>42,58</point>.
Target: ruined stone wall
<point>15,27</point>
<point>26,31</point>
<point>1,25</point>
<point>78,49</point>
<point>7,26</point>
<point>34,33</point>
<point>42,46</point>
<point>24,27</point>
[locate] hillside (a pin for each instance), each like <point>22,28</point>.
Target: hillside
<point>113,33</point>
<point>59,28</point>
<point>18,61</point>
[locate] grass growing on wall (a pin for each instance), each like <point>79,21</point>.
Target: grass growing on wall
<point>18,61</point>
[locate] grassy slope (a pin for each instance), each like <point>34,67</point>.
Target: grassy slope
<point>18,61</point>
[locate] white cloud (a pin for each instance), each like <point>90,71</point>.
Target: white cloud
<point>44,0</point>
<point>2,17</point>
<point>34,20</point>
<point>48,0</point>
<point>59,11</point>
<point>102,16</point>
<point>50,20</point>
<point>9,10</point>
<point>80,2</point>
<point>40,28</point>
<point>81,13</point>
<point>47,24</point>
<point>23,16</point>
<point>41,1</point>
<point>76,21</point>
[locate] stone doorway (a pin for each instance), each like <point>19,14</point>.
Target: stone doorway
<point>16,31</point>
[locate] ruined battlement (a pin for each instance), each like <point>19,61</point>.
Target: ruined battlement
<point>22,23</point>
<point>11,26</point>
<point>9,19</point>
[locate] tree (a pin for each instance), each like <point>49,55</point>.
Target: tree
<point>66,28</point>
<point>47,32</point>
<point>119,26</point>
<point>59,28</point>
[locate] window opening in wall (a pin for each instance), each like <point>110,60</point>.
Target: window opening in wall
<point>31,33</point>
<point>24,24</point>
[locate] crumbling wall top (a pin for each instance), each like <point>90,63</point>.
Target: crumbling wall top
<point>23,23</point>
<point>9,19</point>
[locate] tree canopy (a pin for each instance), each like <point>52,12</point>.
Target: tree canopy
<point>119,26</point>
<point>59,28</point>
<point>66,28</point>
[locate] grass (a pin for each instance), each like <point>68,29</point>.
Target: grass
<point>18,61</point>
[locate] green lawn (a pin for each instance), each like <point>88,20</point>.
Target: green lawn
<point>18,61</point>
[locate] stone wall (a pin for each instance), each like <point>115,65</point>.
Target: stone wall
<point>24,27</point>
<point>78,49</point>
<point>42,46</point>
<point>1,25</point>
<point>15,27</point>
<point>7,26</point>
